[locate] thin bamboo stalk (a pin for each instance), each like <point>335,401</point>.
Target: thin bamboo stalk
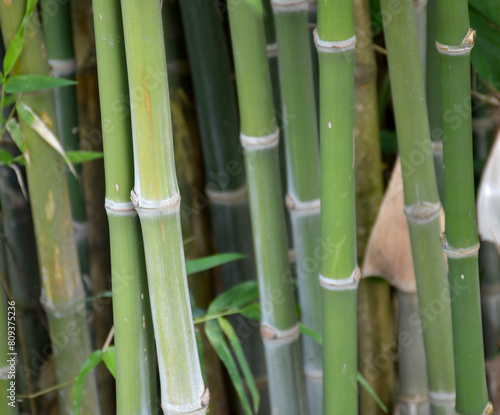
<point>335,41</point>
<point>58,37</point>
<point>375,325</point>
<point>461,242</point>
<point>9,406</point>
<point>223,159</point>
<point>303,188</point>
<point>62,289</point>
<point>422,206</point>
<point>433,96</point>
<point>413,390</point>
<point>133,339</point>
<point>156,198</point>
<point>190,177</point>
<point>259,137</point>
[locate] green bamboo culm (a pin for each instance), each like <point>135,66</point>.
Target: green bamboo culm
<point>454,42</point>
<point>156,198</point>
<point>135,356</point>
<point>62,288</point>
<point>335,42</point>
<point>303,188</point>
<point>259,138</point>
<point>422,205</point>
<point>57,32</point>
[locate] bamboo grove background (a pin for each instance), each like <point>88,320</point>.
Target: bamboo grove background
<point>250,207</point>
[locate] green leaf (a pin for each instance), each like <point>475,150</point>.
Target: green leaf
<point>490,9</point>
<point>218,342</point>
<point>307,331</point>
<point>364,383</point>
<point>37,125</point>
<point>15,132</point>
<point>228,330</point>
<point>485,54</point>
<point>109,360</point>
<point>252,312</point>
<point>235,297</point>
<point>30,83</point>
<point>76,394</point>
<point>201,355</point>
<point>5,157</point>
<point>188,240</point>
<point>78,157</point>
<point>16,45</point>
<point>202,264</point>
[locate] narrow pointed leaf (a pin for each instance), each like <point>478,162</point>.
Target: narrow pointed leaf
<point>30,83</point>
<point>218,342</point>
<point>76,394</point>
<point>36,124</point>
<point>5,157</point>
<point>202,264</point>
<point>364,383</point>
<point>247,291</point>
<point>109,360</point>
<point>15,132</point>
<point>307,331</point>
<point>228,330</point>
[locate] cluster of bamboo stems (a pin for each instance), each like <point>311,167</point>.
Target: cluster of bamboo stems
<point>292,162</point>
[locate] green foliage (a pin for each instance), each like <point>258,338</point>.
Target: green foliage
<point>194,266</point>
<point>76,394</point>
<point>364,383</point>
<point>109,359</point>
<point>31,83</point>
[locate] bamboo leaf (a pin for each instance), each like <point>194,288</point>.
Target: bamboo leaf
<point>228,330</point>
<point>109,360</point>
<point>76,394</point>
<point>364,383</point>
<point>16,45</point>
<point>20,179</point>
<point>202,264</point>
<point>30,83</point>
<point>219,344</point>
<point>235,297</point>
<point>36,124</point>
<point>78,157</point>
<point>15,132</point>
<point>201,355</point>
<point>5,157</point>
<point>307,331</point>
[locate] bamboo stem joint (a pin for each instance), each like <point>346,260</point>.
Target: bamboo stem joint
<point>334,46</point>
<point>275,337</point>
<point>262,142</point>
<point>463,49</point>
<point>349,283</point>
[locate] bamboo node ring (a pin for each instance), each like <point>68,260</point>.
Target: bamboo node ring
<point>463,49</point>
<point>290,5</point>
<point>314,375</point>
<point>121,208</point>
<point>172,204</point>
<point>413,399</point>
<point>442,397</point>
<point>62,66</point>
<point>423,212</point>
<point>296,206</point>
<point>334,46</point>
<point>349,283</point>
<point>273,336</point>
<point>272,50</point>
<point>459,252</point>
<point>227,197</point>
<point>260,143</point>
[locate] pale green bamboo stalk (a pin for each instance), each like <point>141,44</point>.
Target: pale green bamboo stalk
<point>57,31</point>
<point>134,344</point>
<point>303,189</point>
<point>413,391</point>
<point>454,41</point>
<point>156,198</point>
<point>422,206</point>
<point>335,41</point>
<point>62,289</point>
<point>420,14</point>
<point>259,138</point>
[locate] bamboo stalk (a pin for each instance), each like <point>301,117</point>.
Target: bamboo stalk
<point>223,159</point>
<point>335,41</point>
<point>259,138</point>
<point>303,189</point>
<point>433,96</point>
<point>156,198</point>
<point>62,289</point>
<point>422,205</point>
<point>413,391</point>
<point>133,339</point>
<point>9,406</point>
<point>58,37</point>
<point>461,241</point>
<point>375,325</point>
